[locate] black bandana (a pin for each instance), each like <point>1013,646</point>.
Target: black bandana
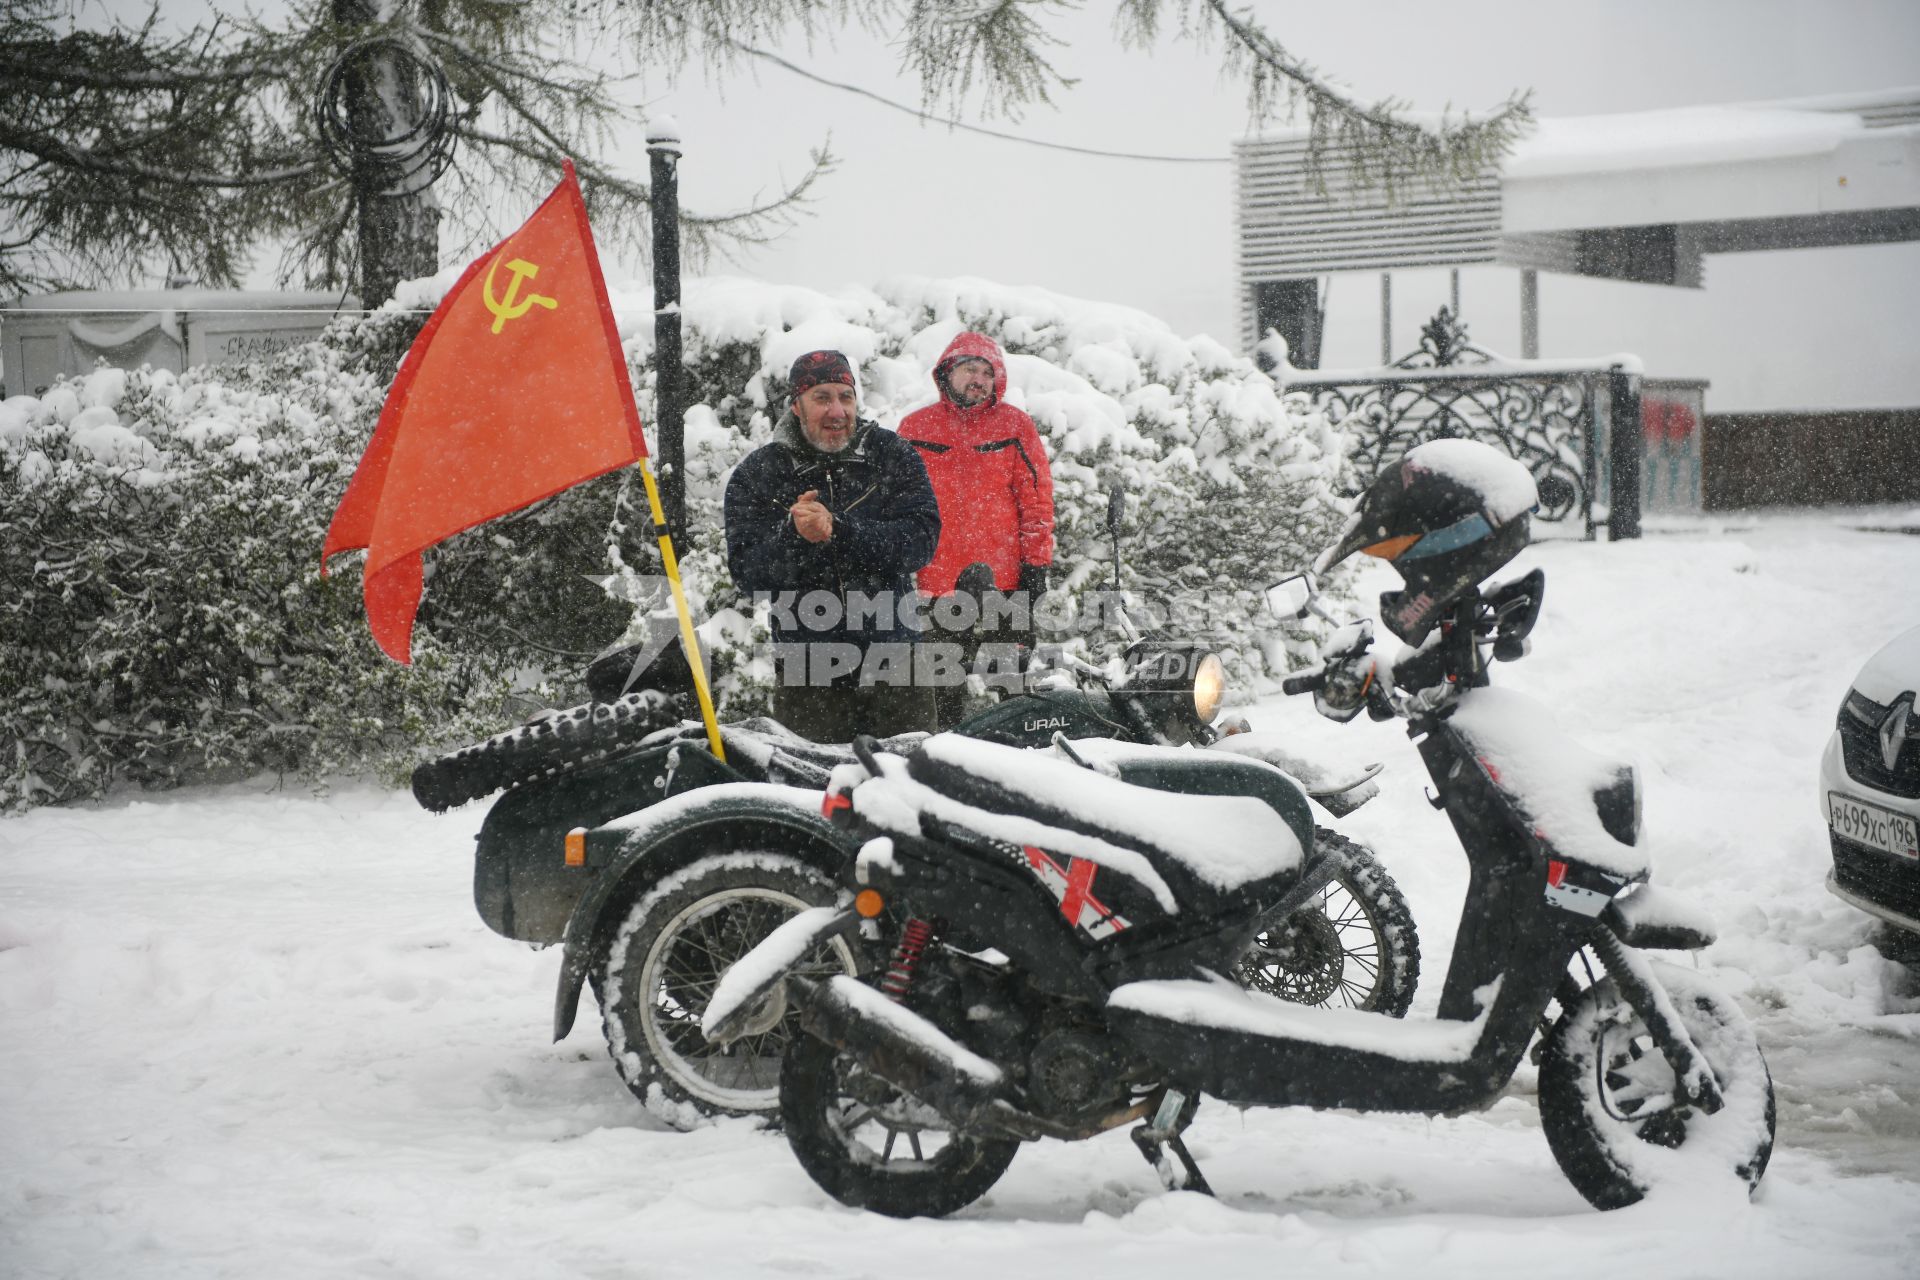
<point>816,367</point>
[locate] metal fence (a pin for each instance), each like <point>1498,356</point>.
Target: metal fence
<point>1556,417</point>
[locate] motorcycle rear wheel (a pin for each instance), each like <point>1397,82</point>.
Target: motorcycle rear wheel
<point>869,1146</point>
<point>1353,947</point>
<point>665,961</point>
<point>1606,1093</point>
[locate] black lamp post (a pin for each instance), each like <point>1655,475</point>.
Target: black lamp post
<point>670,397</point>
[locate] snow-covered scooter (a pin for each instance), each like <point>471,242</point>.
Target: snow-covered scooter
<point>999,1018</point>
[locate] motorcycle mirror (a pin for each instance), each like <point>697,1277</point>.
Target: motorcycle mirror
<point>1291,597</point>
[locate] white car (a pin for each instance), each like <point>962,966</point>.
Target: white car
<point>1870,787</point>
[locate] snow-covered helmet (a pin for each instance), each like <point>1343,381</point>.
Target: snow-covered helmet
<point>1446,516</point>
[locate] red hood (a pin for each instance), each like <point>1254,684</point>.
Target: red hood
<point>969,346</point>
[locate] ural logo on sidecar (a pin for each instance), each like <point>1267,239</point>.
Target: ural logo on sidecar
<point>1073,885</point>
<point>1050,722</point>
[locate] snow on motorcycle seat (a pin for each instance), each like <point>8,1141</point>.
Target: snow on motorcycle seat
<point>1197,844</point>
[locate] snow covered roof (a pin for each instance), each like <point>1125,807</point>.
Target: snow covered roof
<point>1632,196</point>
<point>1685,135</point>
<point>1714,165</point>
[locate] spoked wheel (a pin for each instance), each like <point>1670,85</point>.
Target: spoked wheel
<point>1610,1105</point>
<point>668,957</point>
<point>872,1147</point>
<point>1354,947</point>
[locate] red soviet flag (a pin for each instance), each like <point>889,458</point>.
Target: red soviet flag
<point>514,390</point>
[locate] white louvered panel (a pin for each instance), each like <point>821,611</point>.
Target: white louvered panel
<point>1411,219</point>
<point>1287,229</point>
<point>1338,179</point>
<point>1334,241</point>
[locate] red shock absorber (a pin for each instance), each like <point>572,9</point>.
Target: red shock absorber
<point>899,977</point>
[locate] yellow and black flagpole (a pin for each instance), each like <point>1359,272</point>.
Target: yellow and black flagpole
<point>688,640</point>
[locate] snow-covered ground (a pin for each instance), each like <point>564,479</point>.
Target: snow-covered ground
<point>247,1030</point>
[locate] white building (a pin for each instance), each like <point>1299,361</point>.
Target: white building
<point>1641,197</point>
<point>68,333</point>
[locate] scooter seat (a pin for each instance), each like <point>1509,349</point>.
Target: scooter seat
<point>1204,830</point>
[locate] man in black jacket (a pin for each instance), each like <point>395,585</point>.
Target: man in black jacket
<point>828,523</point>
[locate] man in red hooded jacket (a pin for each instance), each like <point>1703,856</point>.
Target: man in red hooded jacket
<point>990,478</point>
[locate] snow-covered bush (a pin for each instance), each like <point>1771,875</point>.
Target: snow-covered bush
<point>164,614</point>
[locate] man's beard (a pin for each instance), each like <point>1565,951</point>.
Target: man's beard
<point>843,437</point>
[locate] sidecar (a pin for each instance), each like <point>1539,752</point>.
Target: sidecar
<point>532,864</point>
<point>561,846</point>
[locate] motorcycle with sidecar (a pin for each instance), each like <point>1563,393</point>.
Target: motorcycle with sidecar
<point>655,864</point>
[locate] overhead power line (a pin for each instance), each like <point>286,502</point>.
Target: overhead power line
<point>972,128</point>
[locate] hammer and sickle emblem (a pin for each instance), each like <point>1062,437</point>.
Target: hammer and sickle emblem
<point>512,307</point>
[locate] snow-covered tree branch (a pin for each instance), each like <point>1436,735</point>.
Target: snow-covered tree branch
<point>128,152</point>
<point>998,57</point>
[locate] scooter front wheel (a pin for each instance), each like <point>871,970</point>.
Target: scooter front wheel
<point>1609,1104</point>
<point>872,1147</point>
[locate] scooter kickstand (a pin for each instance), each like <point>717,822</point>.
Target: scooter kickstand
<point>1163,1134</point>
<point>1195,1181</point>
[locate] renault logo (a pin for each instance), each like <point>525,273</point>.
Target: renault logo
<point>1893,731</point>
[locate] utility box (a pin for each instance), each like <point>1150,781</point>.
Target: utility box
<point>44,337</point>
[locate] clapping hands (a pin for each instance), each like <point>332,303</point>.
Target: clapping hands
<point>811,520</point>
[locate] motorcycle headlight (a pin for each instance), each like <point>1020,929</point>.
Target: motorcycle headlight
<point>1177,681</point>
<point>1209,687</point>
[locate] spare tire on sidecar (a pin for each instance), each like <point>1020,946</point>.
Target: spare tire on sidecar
<point>618,716</point>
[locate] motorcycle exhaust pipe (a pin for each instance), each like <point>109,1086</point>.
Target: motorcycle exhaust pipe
<point>904,1049</point>
<point>916,1057</point>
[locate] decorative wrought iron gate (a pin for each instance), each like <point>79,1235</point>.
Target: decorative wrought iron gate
<point>1554,416</point>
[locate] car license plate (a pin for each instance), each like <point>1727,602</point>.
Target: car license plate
<point>1869,824</point>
